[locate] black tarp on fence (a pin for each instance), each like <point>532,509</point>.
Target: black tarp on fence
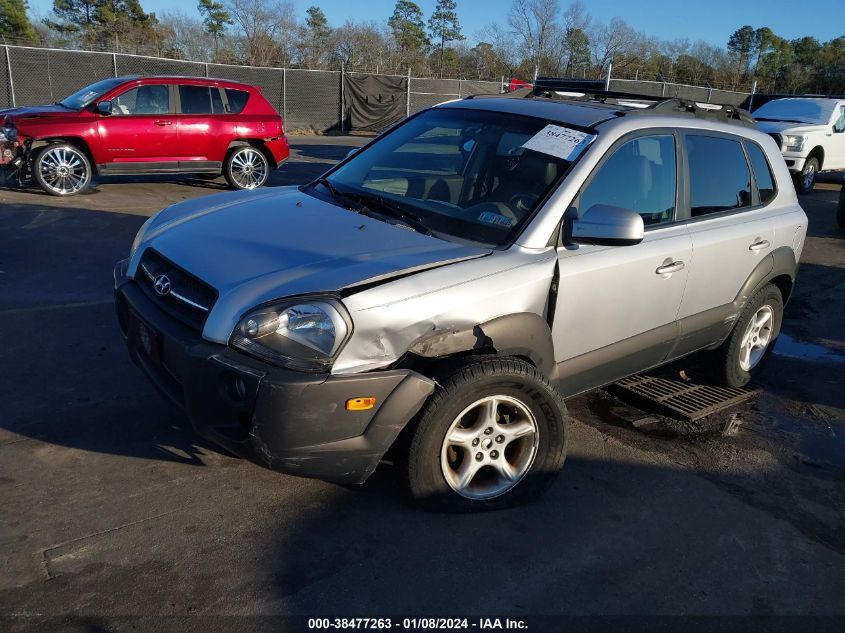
<point>374,102</point>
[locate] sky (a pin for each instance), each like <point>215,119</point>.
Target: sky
<point>712,21</point>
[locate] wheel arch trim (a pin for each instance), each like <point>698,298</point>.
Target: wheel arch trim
<point>525,335</point>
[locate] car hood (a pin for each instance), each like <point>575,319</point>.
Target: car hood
<point>782,127</point>
<point>31,112</point>
<point>254,247</point>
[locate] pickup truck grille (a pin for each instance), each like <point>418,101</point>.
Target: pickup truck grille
<point>175,291</point>
<point>778,139</point>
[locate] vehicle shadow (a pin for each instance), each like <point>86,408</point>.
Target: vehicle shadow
<point>323,152</point>
<point>820,206</point>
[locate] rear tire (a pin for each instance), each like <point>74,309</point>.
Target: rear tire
<point>246,167</point>
<point>61,169</point>
<point>745,353</point>
<point>806,180</point>
<point>492,435</point>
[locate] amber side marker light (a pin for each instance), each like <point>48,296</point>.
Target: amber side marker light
<point>360,404</point>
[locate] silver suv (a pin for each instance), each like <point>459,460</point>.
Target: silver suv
<point>439,293</point>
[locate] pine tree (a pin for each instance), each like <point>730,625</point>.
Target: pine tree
<point>215,19</point>
<point>14,21</point>
<point>318,31</point>
<point>407,26</point>
<point>444,26</point>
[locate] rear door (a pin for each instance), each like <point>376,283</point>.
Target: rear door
<point>139,134</point>
<point>616,307</point>
<point>731,231</point>
<point>199,121</point>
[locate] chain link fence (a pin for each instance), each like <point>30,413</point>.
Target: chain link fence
<point>307,99</point>
<point>682,91</point>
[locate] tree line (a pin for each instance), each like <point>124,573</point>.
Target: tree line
<point>536,37</point>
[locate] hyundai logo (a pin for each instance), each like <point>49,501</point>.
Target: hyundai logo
<point>162,285</point>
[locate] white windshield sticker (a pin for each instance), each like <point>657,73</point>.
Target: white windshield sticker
<point>562,142</point>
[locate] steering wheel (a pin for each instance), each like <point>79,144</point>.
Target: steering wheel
<point>523,201</point>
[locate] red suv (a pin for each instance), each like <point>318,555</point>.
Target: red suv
<point>150,125</point>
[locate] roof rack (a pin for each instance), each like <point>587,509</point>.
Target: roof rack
<point>635,104</point>
<point>642,104</point>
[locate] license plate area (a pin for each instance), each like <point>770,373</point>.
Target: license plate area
<point>145,339</point>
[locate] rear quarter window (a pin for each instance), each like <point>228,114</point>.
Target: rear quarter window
<point>762,172</point>
<point>237,100</point>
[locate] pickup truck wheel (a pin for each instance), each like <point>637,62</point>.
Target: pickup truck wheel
<point>806,180</point>
<point>492,435</point>
<point>246,168</point>
<point>750,344</point>
<point>61,169</point>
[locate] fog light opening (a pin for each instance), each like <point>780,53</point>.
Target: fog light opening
<point>235,387</point>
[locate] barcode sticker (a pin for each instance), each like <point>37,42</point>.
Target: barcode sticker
<point>562,142</point>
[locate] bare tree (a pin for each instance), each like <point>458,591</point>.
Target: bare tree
<point>616,42</point>
<point>263,28</point>
<point>535,23</point>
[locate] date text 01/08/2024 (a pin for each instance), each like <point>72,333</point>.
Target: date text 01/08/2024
<point>409,624</point>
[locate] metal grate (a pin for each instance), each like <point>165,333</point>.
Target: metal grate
<point>687,399</point>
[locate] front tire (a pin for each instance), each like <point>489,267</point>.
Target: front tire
<point>492,435</point>
<point>61,169</point>
<point>806,180</point>
<point>246,167</point>
<point>746,351</point>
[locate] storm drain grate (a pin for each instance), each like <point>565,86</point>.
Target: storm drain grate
<point>679,396</point>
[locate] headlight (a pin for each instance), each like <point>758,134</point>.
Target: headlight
<point>793,143</point>
<point>299,334</point>
<point>9,134</point>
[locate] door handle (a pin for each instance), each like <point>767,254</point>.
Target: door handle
<point>759,245</point>
<point>668,269</point>
<point>163,122</point>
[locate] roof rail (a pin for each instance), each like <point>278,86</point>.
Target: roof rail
<point>635,104</point>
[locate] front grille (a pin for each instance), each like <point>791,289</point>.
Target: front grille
<point>184,296</point>
<point>778,139</point>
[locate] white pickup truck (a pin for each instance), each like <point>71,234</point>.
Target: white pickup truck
<point>810,132</point>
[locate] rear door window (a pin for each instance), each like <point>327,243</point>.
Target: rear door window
<point>195,99</point>
<point>640,176</point>
<point>237,100</point>
<point>762,172</point>
<point>718,174</point>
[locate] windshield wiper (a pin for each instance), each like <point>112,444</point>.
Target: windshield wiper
<point>392,209</point>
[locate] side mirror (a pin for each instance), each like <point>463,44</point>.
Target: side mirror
<point>104,107</point>
<point>608,226</point>
<point>839,127</point>
<point>352,152</point>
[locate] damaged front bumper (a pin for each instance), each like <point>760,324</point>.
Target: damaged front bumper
<point>289,421</point>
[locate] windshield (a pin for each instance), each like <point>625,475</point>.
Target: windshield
<point>89,94</point>
<point>462,173</point>
<point>816,111</point>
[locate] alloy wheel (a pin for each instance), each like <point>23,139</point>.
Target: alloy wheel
<point>757,337</point>
<point>489,447</point>
<point>248,168</point>
<point>63,170</point>
<point>809,176</point>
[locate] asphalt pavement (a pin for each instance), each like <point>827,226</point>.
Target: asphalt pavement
<point>112,506</point>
